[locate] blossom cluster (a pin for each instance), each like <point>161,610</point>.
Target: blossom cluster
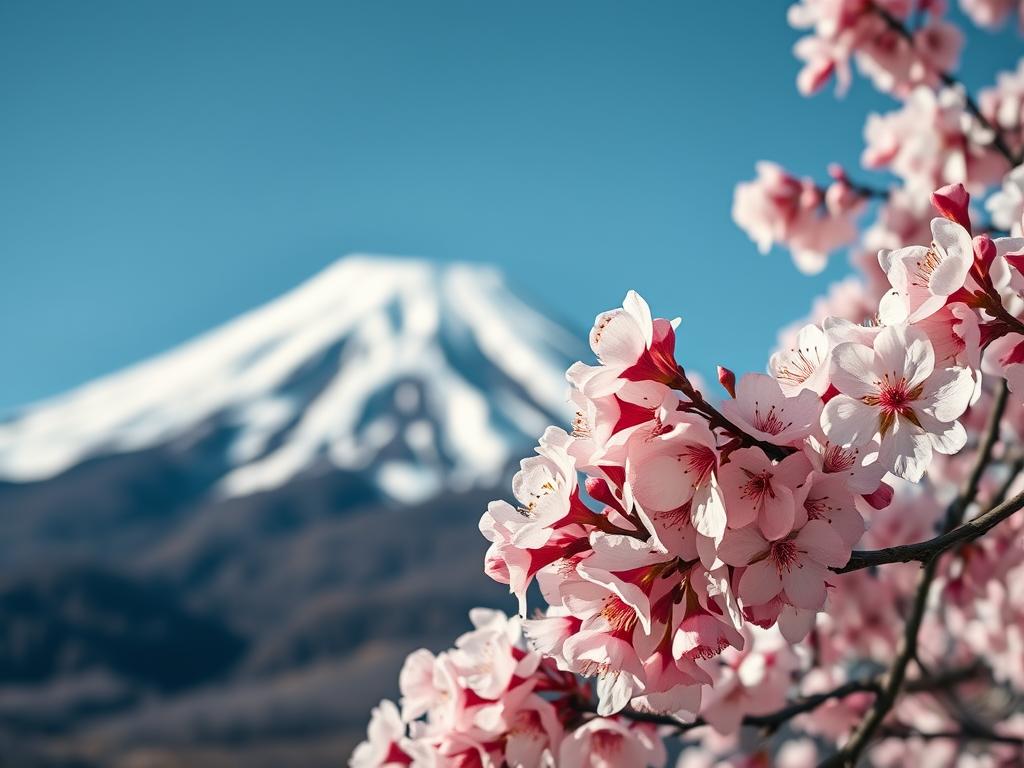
<point>693,523</point>
<point>845,30</point>
<point>682,561</point>
<point>492,701</point>
<point>778,208</point>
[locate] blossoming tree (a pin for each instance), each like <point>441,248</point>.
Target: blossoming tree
<point>826,567</point>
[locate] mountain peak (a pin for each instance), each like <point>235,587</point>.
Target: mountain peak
<point>424,375</point>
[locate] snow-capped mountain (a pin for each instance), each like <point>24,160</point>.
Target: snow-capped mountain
<point>222,554</point>
<point>418,376</point>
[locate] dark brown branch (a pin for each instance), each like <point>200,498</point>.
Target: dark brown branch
<point>848,755</point>
<point>925,551</point>
<point>774,720</point>
<point>965,734</point>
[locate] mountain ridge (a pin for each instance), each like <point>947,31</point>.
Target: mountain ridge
<point>301,484</point>
<point>300,382</point>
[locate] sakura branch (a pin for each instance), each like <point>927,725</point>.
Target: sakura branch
<point>683,563</point>
<point>949,80</point>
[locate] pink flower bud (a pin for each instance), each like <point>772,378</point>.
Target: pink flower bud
<point>728,380</point>
<point>952,202</point>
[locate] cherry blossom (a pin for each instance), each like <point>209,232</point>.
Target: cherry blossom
<point>991,13</point>
<point>602,743</point>
<point>805,365</point>
<point>762,409</point>
<point>1007,205</point>
<point>778,208</point>
<point>891,391</point>
<point>796,565</point>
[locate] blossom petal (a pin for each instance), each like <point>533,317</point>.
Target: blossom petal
<point>741,545</point>
<point>805,585</point>
<point>958,254</point>
<point>853,369</point>
<point>759,583</point>
<point>777,514</point>
<point>846,421</point>
<point>949,393</point>
<point>823,544</point>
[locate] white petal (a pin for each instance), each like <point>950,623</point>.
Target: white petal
<point>846,421</point>
<point>907,450</point>
<point>948,393</point>
<point>958,254</point>
<point>853,369</point>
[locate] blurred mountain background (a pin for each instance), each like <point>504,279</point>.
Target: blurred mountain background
<point>221,556</point>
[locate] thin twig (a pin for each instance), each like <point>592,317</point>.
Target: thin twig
<point>1014,468</point>
<point>772,720</point>
<point>966,733</point>
<point>847,757</point>
<point>956,511</point>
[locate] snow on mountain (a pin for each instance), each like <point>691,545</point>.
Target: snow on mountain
<point>422,376</point>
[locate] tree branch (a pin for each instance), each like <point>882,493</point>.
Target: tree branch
<point>848,755</point>
<point>926,551</point>
<point>774,720</point>
<point>966,733</point>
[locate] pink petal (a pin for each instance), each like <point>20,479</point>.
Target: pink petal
<point>742,545</point>
<point>823,544</point>
<point>760,583</point>
<point>777,514</point>
<point>805,584</point>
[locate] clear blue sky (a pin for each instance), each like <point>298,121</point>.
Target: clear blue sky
<point>166,165</point>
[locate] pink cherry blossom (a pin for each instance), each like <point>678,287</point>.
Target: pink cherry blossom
<point>891,391</point>
<point>923,278</point>
<point>385,735</point>
<point>805,365</point>
<point>778,208</point>
<point>796,565</point>
<point>759,491</point>
<point>763,410</point>
<point>990,13</point>
<point>609,743</point>
<point>1003,105</point>
<point>1007,205</point>
<point>932,141</point>
<point>751,681</point>
<point>672,465</point>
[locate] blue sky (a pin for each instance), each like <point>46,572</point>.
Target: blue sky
<point>167,165</point>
